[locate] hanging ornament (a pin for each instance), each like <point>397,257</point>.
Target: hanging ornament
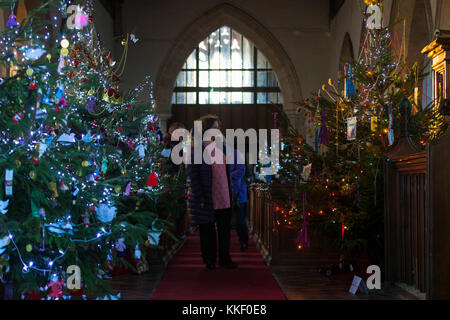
<point>303,239</point>
<point>12,23</point>
<point>306,172</point>
<point>54,189</point>
<point>130,143</point>
<point>35,199</point>
<point>32,53</point>
<point>323,134</point>
<point>416,101</point>
<point>86,219</point>
<point>29,248</point>
<point>61,63</point>
<point>152,180</point>
<point>4,242</point>
<point>63,186</point>
<point>4,206</point>
<point>105,213</point>
<point>104,166</point>
<point>91,104</point>
<point>373,124</point>
<point>55,286</point>
<point>127,189</point>
<point>391,137</point>
<point>349,87</point>
<point>18,117</point>
<point>32,175</point>
<point>351,128</point>
<point>141,149</point>
<point>75,192</point>
<point>9,174</point>
<point>29,72</point>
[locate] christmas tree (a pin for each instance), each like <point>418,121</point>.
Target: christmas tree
<point>356,128</point>
<point>80,161</point>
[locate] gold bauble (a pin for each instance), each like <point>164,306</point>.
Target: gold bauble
<point>88,148</point>
<point>79,173</point>
<point>117,189</point>
<point>65,43</point>
<point>32,175</point>
<point>64,52</point>
<point>147,243</point>
<point>29,248</point>
<point>29,72</point>
<point>85,163</point>
<point>18,163</point>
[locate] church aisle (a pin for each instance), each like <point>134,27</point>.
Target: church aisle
<point>186,277</point>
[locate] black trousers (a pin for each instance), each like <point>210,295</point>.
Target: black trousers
<point>208,238</point>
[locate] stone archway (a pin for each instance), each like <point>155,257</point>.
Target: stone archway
<point>419,28</point>
<point>245,24</point>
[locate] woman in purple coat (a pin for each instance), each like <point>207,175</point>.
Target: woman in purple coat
<point>210,201</point>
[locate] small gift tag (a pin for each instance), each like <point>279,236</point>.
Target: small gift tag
<point>9,174</point>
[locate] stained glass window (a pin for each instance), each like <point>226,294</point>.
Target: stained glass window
<point>226,68</point>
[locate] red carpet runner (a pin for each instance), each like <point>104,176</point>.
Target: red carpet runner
<point>186,277</point>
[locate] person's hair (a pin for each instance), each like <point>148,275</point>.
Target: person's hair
<point>208,121</point>
<point>174,126</point>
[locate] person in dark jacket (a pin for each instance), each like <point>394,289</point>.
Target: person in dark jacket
<point>210,202</point>
<point>239,187</point>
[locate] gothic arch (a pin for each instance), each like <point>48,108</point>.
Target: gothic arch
<point>419,25</point>
<point>235,18</point>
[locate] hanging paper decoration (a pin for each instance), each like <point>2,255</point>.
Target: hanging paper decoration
<point>105,213</point>
<point>154,235</point>
<point>9,174</point>
<point>373,124</point>
<point>12,23</point>
<point>4,206</point>
<point>303,239</point>
<point>166,152</point>
<point>351,128</point>
<point>87,138</point>
<point>349,87</point>
<point>323,134</point>
<point>91,104</point>
<point>391,137</point>
<point>152,180</point>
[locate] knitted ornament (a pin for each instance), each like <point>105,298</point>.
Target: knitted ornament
<point>152,180</point>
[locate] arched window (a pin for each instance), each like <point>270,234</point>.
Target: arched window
<point>226,68</point>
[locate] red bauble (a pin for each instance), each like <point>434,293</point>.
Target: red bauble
<point>33,86</point>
